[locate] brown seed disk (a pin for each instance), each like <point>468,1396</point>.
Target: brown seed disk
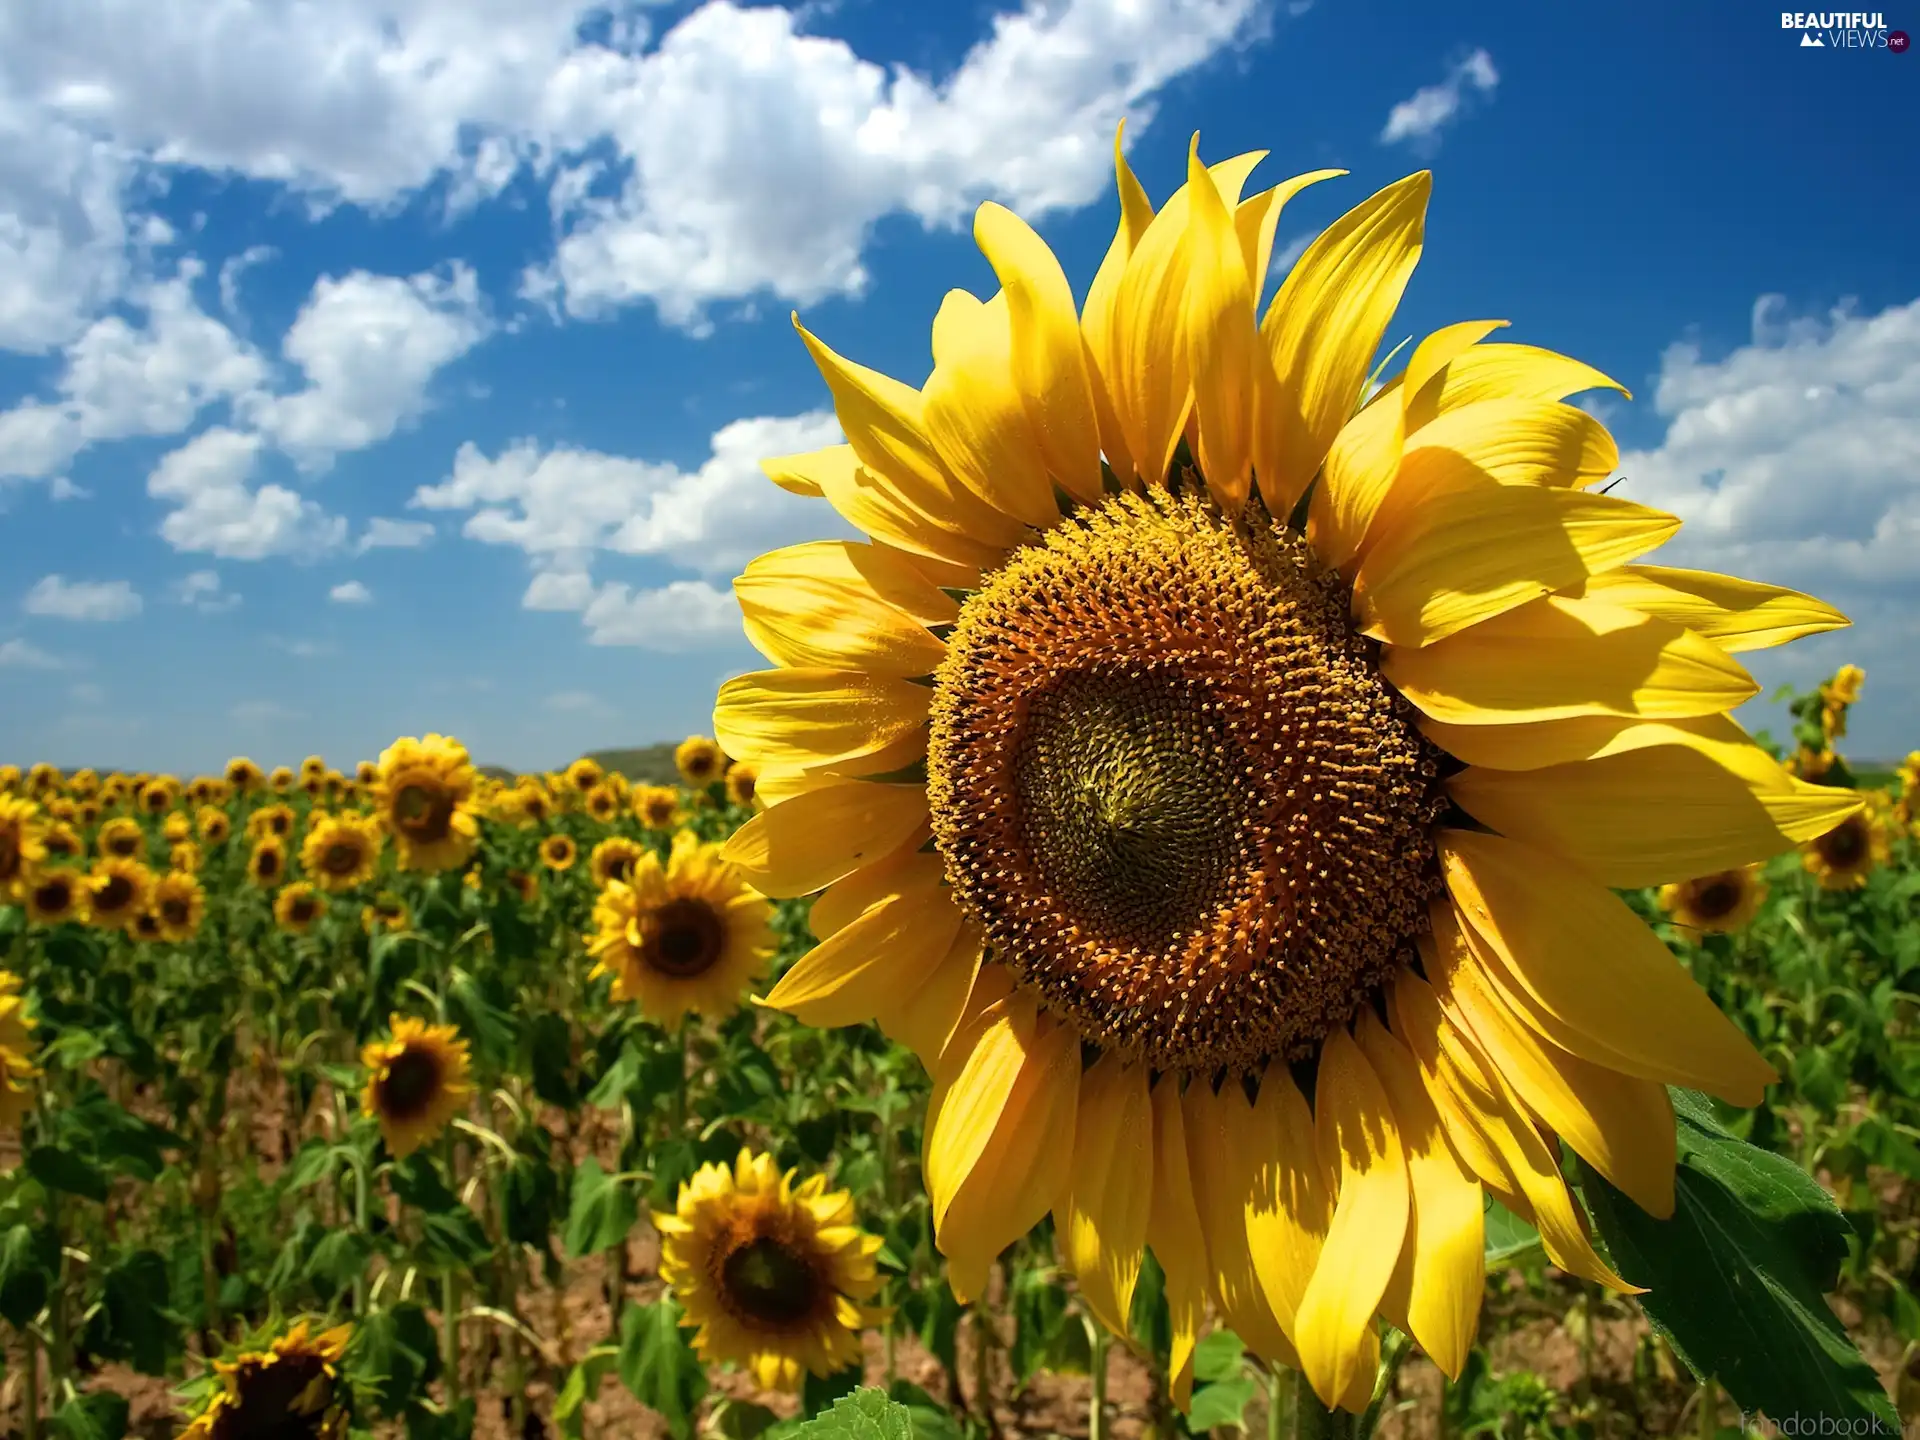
<point>1167,777</point>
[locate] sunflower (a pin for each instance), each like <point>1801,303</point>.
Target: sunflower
<point>280,780</point>
<point>54,897</point>
<point>689,935</point>
<point>118,892</point>
<point>87,812</point>
<point>742,778</point>
<point>525,884</point>
<point>1842,858</point>
<point>1716,904</point>
<point>267,864</point>
<point>533,802</point>
<point>297,907</point>
<point>656,806</point>
<point>341,852</point>
<point>1199,657</point>
<point>699,761</point>
<point>121,838</point>
<point>291,1390</point>
<point>62,842</point>
<point>145,927</point>
<point>424,793</point>
<point>179,903</point>
<point>558,852</point>
<point>22,844</point>
<point>177,827</point>
<point>9,778</point>
<point>185,856</point>
<point>416,1082</point>
<point>602,803</point>
<point>366,772</point>
<point>42,779</point>
<point>313,768</point>
<point>1844,688</point>
<point>1907,809</point>
<point>776,1276</point>
<point>388,912</point>
<point>200,789</point>
<point>62,808</point>
<point>158,795</point>
<point>17,1069</point>
<point>244,776</point>
<point>215,825</point>
<point>274,820</point>
<point>585,773</point>
<point>614,859</point>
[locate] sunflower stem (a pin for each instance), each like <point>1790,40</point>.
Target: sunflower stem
<point>1707,1422</point>
<point>1314,1421</point>
<point>360,1225</point>
<point>450,1298</point>
<point>680,1087</point>
<point>1097,1369</point>
<point>1279,1397</point>
<point>31,1429</point>
<point>1394,1349</point>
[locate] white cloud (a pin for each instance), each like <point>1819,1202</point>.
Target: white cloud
<point>683,615</point>
<point>37,440</point>
<point>577,702</point>
<point>369,346</point>
<point>350,592</point>
<point>58,598</point>
<point>219,512</point>
<point>558,589</point>
<point>1288,253</point>
<point>236,266</point>
<point>22,655</point>
<point>260,714</point>
<point>1419,118</point>
<point>385,534</point>
<point>61,488</point>
<point>203,591</point>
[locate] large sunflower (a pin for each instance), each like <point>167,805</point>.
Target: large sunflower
<point>424,793</point>
<point>22,844</point>
<point>118,893</point>
<point>291,1390</point>
<point>1210,771</point>
<point>775,1276</point>
<point>1716,904</point>
<point>17,1070</point>
<point>686,936</point>
<point>179,904</point>
<point>341,852</point>
<point>416,1082</point>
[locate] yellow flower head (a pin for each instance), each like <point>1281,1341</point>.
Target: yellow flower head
<point>1136,735</point>
<point>341,852</point>
<point>775,1276</point>
<point>215,825</point>
<point>614,859</point>
<point>118,893</point>
<point>184,856</point>
<point>274,820</point>
<point>244,776</point>
<point>416,1082</point>
<point>298,907</point>
<point>558,852</point>
<point>158,795</point>
<point>524,884</point>
<point>1844,688</point>
<point>17,1070</point>
<point>280,780</point>
<point>686,936</point>
<point>121,838</point>
<point>57,897</point>
<point>290,1390</point>
<point>22,844</point>
<point>585,773</point>
<point>656,806</point>
<point>742,778</point>
<point>602,803</point>
<point>267,864</point>
<point>424,795</point>
<point>699,760</point>
<point>177,827</point>
<point>179,904</point>
<point>387,912</point>
<point>1719,903</point>
<point>313,768</point>
<point>1843,857</point>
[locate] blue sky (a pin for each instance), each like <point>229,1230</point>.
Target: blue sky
<point>403,364</point>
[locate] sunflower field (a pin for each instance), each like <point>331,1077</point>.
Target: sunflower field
<point>1240,908</point>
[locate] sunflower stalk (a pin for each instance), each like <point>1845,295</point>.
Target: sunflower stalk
<point>450,1291</point>
<point>1314,1421</point>
<point>1097,1343</point>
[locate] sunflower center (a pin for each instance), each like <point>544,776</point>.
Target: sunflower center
<point>54,896</point>
<point>302,910</point>
<point>1717,898</point>
<point>423,813</point>
<point>685,939</point>
<point>340,858</point>
<point>1844,846</point>
<point>1169,780</point>
<point>769,1281</point>
<point>116,894</point>
<point>9,855</point>
<point>281,1401</point>
<point>175,911</point>
<point>412,1081</point>
<point>266,864</point>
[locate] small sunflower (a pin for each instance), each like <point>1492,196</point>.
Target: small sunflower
<point>366,772</point>
<point>22,844</point>
<point>558,852</point>
<point>656,806</point>
<point>200,791</point>
<point>525,884</point>
<point>280,780</point>
<point>87,813</point>
<point>298,907</point>
<point>118,892</point>
<point>602,803</point>
<point>185,856</point>
<point>416,1082</point>
<point>613,859</point>
<point>699,760</point>
<point>1844,688</point>
<point>533,801</point>
<point>55,897</point>
<point>145,927</point>
<point>341,852</point>
<point>177,827</point>
<point>274,820</point>
<point>313,768</point>
<point>1717,904</point>
<point>289,1391</point>
<point>158,795</point>
<point>9,778</point>
<point>687,936</point>
<point>585,773</point>
<point>17,1070</point>
<point>267,864</point>
<point>386,912</point>
<point>63,842</point>
<point>424,793</point>
<point>215,824</point>
<point>121,838</point>
<point>244,776</point>
<point>775,1276</point>
<point>179,903</point>
<point>743,777</point>
<point>1846,855</point>
<point>60,807</point>
<point>1907,808</point>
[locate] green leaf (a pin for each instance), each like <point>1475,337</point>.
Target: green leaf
<point>98,1415</point>
<point>740,1420</point>
<point>1737,1278</point>
<point>658,1365</point>
<point>58,1168</point>
<point>618,1078</point>
<point>417,1182</point>
<point>312,1163</point>
<point>818,1392</point>
<point>130,1323</point>
<point>550,1059</point>
<point>29,1263</point>
<point>531,1197</point>
<point>583,1384</point>
<point>117,1138</point>
<point>930,1419</point>
<point>1224,1402</point>
<point>338,1257</point>
<point>866,1414</point>
<point>392,1356</point>
<point>1509,1238</point>
<point>600,1211</point>
<point>1221,1356</point>
<point>454,1240</point>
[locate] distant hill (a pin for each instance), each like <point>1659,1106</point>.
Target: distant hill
<point>645,764</point>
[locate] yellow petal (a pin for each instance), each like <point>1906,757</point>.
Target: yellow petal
<point>1503,371</point>
<point>1474,549</point>
<point>793,473</point>
<point>808,842</point>
<point>811,717</point>
<point>1097,316</point>
<point>1619,1124</point>
<point>1588,961</point>
<point>1441,1274</point>
<point>873,962</point>
<point>1555,658</point>
<point>1417,1023</point>
<point>1049,356</point>
<point>1222,339</point>
<point>908,869</point>
<point>810,605</point>
<point>925,1020</point>
<point>1736,614</point>
<point>1654,814</point>
<point>1103,1221</point>
<point>1534,745</point>
<point>1515,442</point>
<point>1257,217</point>
<point>1358,1139</point>
<point>1290,1205</point>
<point>976,417</point>
<point>1173,1232</point>
<point>1224,1177</point>
<point>881,510</point>
<point>1324,327</point>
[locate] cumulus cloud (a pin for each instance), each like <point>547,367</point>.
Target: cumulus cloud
<point>59,598</point>
<point>384,534</point>
<point>1419,118</point>
<point>350,592</point>
<point>203,591</point>
<point>682,615</point>
<point>219,510</point>
<point>23,655</point>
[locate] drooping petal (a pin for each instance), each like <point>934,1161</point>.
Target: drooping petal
<point>809,605</point>
<point>1555,658</point>
<point>1587,959</point>
<point>1736,614</point>
<point>1323,329</point>
<point>1103,1220</point>
<point>976,416</point>
<point>873,962</point>
<point>1225,1175</point>
<point>1174,1234</point>
<point>1359,1141</point>
<point>811,717</point>
<point>1291,1203</point>
<point>806,843</point>
<point>925,1020</point>
<point>907,869</point>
